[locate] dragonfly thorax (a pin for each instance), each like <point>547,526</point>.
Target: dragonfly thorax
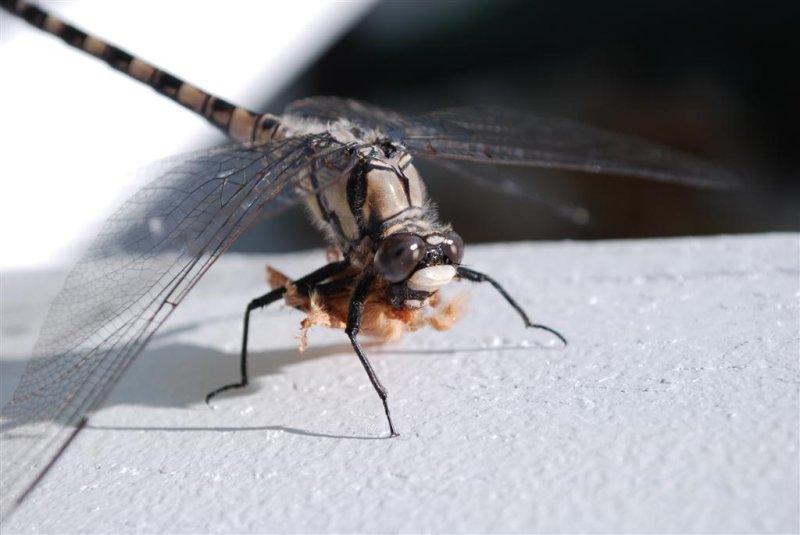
<point>381,195</point>
<point>379,216</point>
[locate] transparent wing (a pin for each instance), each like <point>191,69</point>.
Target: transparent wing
<point>149,254</point>
<point>330,109</point>
<point>505,182</point>
<point>502,136</point>
<point>510,137</point>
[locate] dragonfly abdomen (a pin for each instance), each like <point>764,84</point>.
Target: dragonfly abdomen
<point>240,124</point>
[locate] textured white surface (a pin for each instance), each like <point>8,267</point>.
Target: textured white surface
<point>674,409</point>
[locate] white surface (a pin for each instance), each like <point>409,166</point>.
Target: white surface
<point>674,409</point>
<point>73,112</point>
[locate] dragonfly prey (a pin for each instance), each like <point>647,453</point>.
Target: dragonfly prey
<point>353,166</point>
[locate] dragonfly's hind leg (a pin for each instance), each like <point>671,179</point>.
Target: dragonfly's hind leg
<point>475,276</point>
<point>354,314</point>
<point>304,285</point>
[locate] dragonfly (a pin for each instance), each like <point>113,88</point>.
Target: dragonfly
<point>353,166</point>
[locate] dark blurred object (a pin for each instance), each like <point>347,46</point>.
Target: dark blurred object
<point>714,79</point>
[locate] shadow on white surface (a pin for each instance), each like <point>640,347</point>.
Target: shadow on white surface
<point>673,409</point>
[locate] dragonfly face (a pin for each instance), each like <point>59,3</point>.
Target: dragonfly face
<point>418,266</point>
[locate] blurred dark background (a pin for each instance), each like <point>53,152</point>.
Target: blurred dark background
<point>715,79</point>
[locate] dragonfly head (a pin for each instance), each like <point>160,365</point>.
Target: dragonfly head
<point>417,266</point>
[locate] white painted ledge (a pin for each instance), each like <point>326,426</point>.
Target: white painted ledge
<point>674,409</point>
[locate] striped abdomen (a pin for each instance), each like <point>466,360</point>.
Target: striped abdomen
<point>238,123</point>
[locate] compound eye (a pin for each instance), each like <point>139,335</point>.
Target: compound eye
<point>453,247</point>
<point>398,255</point>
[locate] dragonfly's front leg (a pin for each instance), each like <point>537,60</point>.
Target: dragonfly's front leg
<point>354,314</point>
<point>475,276</point>
<point>304,285</point>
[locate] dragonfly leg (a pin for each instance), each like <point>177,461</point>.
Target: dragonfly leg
<point>475,276</point>
<point>305,284</point>
<point>354,315</point>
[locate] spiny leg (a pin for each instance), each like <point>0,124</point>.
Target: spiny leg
<point>258,302</point>
<point>475,276</point>
<point>304,285</point>
<point>354,315</point>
